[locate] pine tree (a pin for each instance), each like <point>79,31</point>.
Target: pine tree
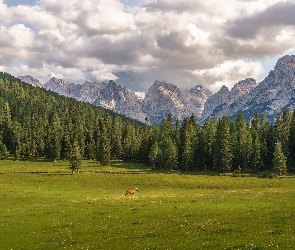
<point>103,152</point>
<point>291,144</point>
<point>75,158</point>
<point>154,155</point>
<point>53,142</point>
<point>168,152</point>
<point>116,138</point>
<point>6,125</point>
<point>279,160</point>
<point>255,159</point>
<point>128,147</point>
<point>210,129</point>
<point>223,150</point>
<point>283,131</point>
<point>267,139</point>
<point>242,148</point>
<point>3,151</point>
<point>187,134</point>
<point>15,140</point>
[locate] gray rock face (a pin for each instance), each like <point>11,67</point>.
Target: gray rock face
<point>219,104</point>
<point>31,80</point>
<point>117,98</point>
<point>165,98</point>
<point>271,96</point>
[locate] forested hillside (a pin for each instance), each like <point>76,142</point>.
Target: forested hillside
<point>37,123</point>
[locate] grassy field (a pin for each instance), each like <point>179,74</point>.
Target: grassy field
<point>43,206</point>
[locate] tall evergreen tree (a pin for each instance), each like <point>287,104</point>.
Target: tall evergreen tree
<point>187,133</point>
<point>223,150</point>
<point>154,155</point>
<point>3,151</point>
<point>279,160</point>
<point>54,136</point>
<point>242,146</point>
<point>283,131</point>
<point>291,144</point>
<point>210,129</point>
<point>75,158</point>
<point>116,138</point>
<point>104,146</point>
<point>168,154</point>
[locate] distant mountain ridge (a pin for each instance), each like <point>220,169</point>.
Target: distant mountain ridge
<point>275,93</point>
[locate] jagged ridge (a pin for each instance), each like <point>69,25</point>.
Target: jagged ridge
<point>271,96</point>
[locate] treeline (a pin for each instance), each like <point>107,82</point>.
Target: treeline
<point>39,123</point>
<point>223,145</point>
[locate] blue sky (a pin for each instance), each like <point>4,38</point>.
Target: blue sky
<point>17,2</point>
<point>136,42</point>
<point>131,3</point>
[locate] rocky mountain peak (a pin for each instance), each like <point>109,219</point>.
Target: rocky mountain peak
<point>243,87</point>
<point>31,80</point>
<point>165,98</point>
<point>271,96</point>
<point>286,61</point>
<point>223,89</point>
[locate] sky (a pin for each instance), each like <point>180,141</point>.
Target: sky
<point>135,42</point>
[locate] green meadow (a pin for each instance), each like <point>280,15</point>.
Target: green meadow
<point>43,206</point>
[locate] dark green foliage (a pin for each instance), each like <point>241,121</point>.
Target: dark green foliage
<point>103,143</point>
<point>154,156</point>
<point>39,123</point>
<point>279,160</point>
<point>3,151</point>
<point>35,123</point>
<point>223,150</point>
<point>243,142</point>
<point>75,158</point>
<point>210,129</point>
<point>53,139</point>
<point>291,144</point>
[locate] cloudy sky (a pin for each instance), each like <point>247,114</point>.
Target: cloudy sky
<point>135,42</point>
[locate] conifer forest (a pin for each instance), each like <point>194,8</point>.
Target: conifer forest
<point>37,123</point>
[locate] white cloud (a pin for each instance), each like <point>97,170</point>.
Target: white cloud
<point>21,36</point>
<point>230,72</point>
<point>102,75</point>
<point>184,42</point>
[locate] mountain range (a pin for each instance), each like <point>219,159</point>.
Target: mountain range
<point>271,96</point>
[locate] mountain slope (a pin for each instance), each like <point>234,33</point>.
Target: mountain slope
<point>161,99</point>
<point>165,98</point>
<point>219,104</point>
<point>271,96</point>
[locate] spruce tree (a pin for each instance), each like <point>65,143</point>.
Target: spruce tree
<point>3,151</point>
<point>187,134</point>
<point>283,131</point>
<point>279,160</point>
<point>210,129</point>
<point>116,138</point>
<point>104,147</point>
<point>223,150</point>
<point>291,144</point>
<point>168,153</point>
<point>53,142</point>
<point>242,142</point>
<point>75,158</point>
<point>267,139</point>
<point>154,155</point>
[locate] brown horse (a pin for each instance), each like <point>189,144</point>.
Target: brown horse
<point>131,191</point>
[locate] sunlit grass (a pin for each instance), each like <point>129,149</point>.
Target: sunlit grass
<point>88,210</point>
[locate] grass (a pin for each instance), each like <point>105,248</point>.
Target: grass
<point>44,207</point>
